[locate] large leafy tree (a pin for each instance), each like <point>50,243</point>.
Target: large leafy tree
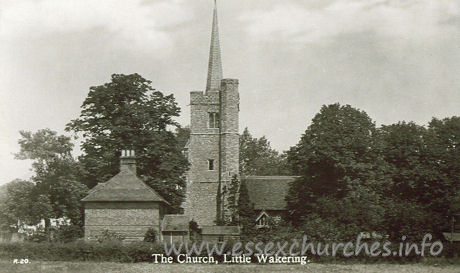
<point>127,113</point>
<point>404,148</point>
<point>56,192</point>
<point>443,141</point>
<point>16,203</point>
<point>337,157</point>
<point>257,157</point>
<point>425,172</point>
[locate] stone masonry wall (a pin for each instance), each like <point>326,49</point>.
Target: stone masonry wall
<point>202,183</point>
<point>230,137</point>
<point>131,220</point>
<point>201,203</point>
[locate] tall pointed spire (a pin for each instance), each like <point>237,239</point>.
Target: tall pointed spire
<point>215,63</point>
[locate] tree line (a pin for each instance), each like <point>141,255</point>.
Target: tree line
<point>394,180</point>
<point>354,176</point>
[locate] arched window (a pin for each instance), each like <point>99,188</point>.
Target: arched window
<point>213,121</point>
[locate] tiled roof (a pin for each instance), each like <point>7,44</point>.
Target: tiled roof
<point>175,222</point>
<point>220,230</point>
<point>96,188</point>
<point>268,192</point>
<point>125,186</point>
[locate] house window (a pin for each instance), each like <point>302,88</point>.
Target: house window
<point>262,220</point>
<point>211,164</point>
<point>213,120</point>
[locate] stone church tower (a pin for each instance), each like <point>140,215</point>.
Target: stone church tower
<point>213,148</point>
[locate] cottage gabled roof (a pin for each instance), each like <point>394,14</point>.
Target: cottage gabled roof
<point>175,222</point>
<point>125,186</point>
<point>268,192</point>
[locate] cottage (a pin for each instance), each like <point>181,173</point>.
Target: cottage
<point>267,194</point>
<point>124,205</point>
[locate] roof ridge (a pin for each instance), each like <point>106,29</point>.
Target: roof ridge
<point>121,183</point>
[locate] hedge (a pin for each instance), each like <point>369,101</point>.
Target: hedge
<point>81,251</point>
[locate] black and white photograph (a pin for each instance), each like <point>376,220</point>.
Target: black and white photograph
<point>229,136</point>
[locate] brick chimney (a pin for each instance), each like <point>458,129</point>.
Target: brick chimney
<point>128,160</point>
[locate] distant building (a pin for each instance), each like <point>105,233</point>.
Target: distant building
<point>267,194</point>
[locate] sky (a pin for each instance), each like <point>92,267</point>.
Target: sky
<point>396,60</point>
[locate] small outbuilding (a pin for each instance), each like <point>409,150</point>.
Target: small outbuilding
<point>175,228</point>
<point>124,205</point>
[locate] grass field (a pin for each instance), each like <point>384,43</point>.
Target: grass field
<point>104,267</point>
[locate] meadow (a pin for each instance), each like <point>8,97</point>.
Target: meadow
<point>103,267</point>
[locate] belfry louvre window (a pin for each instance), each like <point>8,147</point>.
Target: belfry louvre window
<point>213,120</point>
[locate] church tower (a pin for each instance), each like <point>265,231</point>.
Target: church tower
<point>213,148</point>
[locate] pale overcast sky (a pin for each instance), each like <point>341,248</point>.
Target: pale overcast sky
<point>395,59</point>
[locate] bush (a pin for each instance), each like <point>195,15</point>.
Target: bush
<point>409,219</point>
<point>108,236</point>
<point>70,233</point>
<point>37,237</point>
<point>150,236</point>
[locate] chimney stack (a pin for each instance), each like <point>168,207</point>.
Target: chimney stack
<point>128,160</point>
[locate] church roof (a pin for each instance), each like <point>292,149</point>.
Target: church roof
<point>125,186</point>
<point>175,222</point>
<point>268,192</point>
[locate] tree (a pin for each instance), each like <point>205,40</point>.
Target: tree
<point>425,173</point>
<point>246,213</point>
<point>127,113</point>
<point>16,203</point>
<point>336,157</point>
<point>443,141</point>
<point>55,192</point>
<point>258,158</point>
<point>404,148</point>
<point>43,147</point>
<point>232,201</point>
<point>4,221</point>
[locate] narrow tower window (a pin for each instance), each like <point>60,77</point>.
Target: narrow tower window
<point>213,120</point>
<point>211,164</point>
